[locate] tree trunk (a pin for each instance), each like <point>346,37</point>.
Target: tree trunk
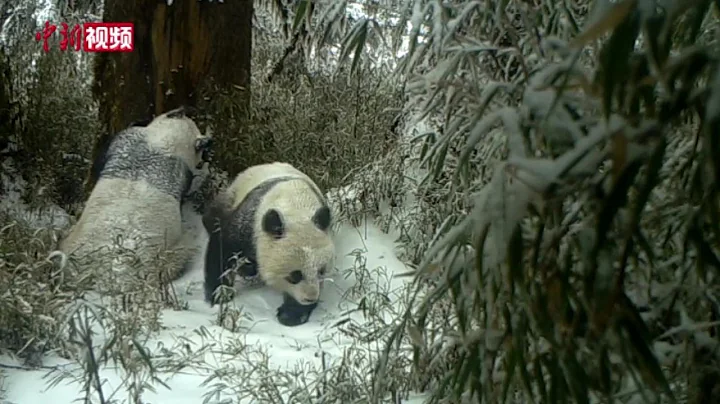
<point>181,52</point>
<point>6,115</point>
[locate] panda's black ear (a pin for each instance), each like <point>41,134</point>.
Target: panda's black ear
<point>322,218</point>
<point>272,224</point>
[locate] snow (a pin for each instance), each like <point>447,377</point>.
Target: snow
<point>12,187</point>
<point>287,348</point>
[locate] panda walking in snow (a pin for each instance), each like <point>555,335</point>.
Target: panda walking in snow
<point>143,177</point>
<point>273,222</point>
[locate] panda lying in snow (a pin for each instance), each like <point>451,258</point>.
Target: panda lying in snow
<point>277,219</point>
<point>143,177</point>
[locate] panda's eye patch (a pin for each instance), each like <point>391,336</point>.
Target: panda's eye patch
<point>295,277</point>
<point>322,271</point>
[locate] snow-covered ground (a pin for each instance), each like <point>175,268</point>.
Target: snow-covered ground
<point>363,250</point>
<point>12,187</point>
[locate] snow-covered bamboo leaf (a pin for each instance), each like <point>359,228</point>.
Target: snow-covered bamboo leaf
<point>354,41</point>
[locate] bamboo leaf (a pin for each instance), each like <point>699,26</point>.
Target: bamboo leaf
<point>645,246</point>
<point>645,360</point>
<point>511,364</point>
<point>706,252</point>
<point>479,131</point>
<point>302,10</point>
<point>355,40</point>
<point>700,11</point>
<point>659,39</point>
<point>577,379</point>
<point>605,373</point>
<point>521,345</point>
<point>360,45</point>
<point>608,22</point>
<point>619,154</point>
<point>440,161</point>
<point>615,200</point>
<point>712,126</point>
<point>651,179</point>
<point>540,381</point>
<point>558,386</point>
<point>615,57</point>
<point>514,261</point>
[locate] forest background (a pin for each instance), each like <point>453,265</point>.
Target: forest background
<point>565,232</point>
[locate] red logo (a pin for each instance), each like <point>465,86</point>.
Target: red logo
<point>45,34</point>
<point>91,36</point>
<point>72,37</point>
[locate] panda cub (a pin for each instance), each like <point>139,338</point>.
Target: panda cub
<point>143,176</point>
<point>273,222</point>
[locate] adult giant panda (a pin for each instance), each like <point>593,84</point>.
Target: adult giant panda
<point>277,219</point>
<point>143,176</point>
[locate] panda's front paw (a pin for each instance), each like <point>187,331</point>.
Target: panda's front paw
<point>291,313</point>
<point>291,318</point>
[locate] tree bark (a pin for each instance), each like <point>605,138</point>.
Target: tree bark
<point>6,115</point>
<point>181,52</point>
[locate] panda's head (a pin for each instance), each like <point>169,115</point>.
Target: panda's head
<point>176,134</point>
<point>298,250</point>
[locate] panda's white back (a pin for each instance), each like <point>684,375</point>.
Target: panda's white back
<point>253,176</point>
<point>118,207</point>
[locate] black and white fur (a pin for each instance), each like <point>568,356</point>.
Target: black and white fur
<point>143,177</point>
<point>277,219</point>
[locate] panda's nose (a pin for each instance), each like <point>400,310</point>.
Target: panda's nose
<point>310,293</point>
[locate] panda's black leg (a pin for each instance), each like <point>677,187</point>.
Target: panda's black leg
<point>220,248</point>
<point>216,264</point>
<point>292,313</point>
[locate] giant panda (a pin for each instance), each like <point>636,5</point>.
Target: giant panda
<point>277,219</point>
<point>143,176</point>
